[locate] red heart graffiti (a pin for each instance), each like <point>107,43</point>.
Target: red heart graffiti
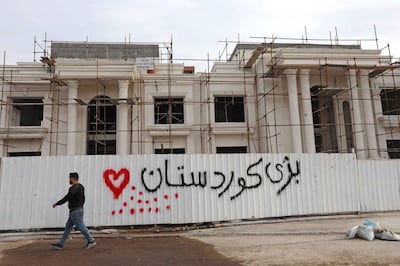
<point>111,174</point>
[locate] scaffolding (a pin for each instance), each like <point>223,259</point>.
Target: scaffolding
<point>322,100</point>
<point>263,86</point>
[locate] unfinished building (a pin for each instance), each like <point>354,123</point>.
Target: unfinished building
<point>118,98</point>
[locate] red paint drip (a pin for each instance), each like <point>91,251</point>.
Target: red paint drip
<point>132,211</point>
<point>149,209</point>
<point>147,202</point>
<point>113,213</point>
<point>157,210</point>
<point>133,187</point>
<point>139,201</point>
<point>166,196</point>
<point>155,199</point>
<point>121,211</point>
<point>125,204</point>
<point>132,197</point>
<point>176,195</point>
<point>141,193</point>
<point>141,210</point>
<point>168,207</point>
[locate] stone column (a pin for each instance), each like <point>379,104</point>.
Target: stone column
<point>357,121</point>
<point>291,76</point>
<point>309,140</point>
<point>122,119</point>
<point>72,117</point>
<point>368,114</point>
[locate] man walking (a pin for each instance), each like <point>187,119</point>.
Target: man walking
<point>76,199</point>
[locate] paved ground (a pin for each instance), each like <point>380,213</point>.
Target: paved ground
<point>299,241</point>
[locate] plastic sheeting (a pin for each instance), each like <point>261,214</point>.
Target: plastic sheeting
<point>179,189</point>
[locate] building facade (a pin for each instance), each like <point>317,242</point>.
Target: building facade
<point>94,99</point>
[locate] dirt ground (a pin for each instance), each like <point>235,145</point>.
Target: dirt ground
<point>117,251</point>
<point>315,241</point>
<point>307,250</point>
<point>292,241</point>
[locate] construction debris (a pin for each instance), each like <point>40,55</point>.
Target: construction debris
<point>370,230</point>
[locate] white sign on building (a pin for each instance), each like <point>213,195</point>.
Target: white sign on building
<point>145,63</point>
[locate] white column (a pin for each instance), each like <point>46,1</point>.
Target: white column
<point>380,129</point>
<point>357,121</point>
<point>4,120</point>
<point>136,119</point>
<point>122,119</point>
<point>72,117</point>
<point>2,148</point>
<point>368,114</point>
<point>291,75</point>
<point>189,110</point>
<point>309,140</point>
<point>210,139</point>
<point>47,141</point>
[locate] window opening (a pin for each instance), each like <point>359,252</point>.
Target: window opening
<point>323,120</point>
<point>27,112</point>
<point>168,111</point>
<point>390,101</point>
<point>348,128</point>
<point>232,149</point>
<point>24,154</point>
<point>170,151</point>
<point>229,109</point>
<point>393,147</point>
<point>102,123</point>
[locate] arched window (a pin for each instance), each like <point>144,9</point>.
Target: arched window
<point>315,92</point>
<point>348,128</point>
<point>390,100</point>
<point>102,124</point>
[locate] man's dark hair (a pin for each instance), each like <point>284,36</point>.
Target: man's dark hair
<point>74,175</point>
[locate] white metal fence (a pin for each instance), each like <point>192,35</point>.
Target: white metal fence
<point>177,189</point>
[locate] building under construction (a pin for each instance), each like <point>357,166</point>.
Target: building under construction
<point>268,97</point>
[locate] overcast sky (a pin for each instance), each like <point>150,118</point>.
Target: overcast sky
<point>197,26</point>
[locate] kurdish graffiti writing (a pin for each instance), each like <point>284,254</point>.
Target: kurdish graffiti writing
<point>280,168</point>
<point>281,173</point>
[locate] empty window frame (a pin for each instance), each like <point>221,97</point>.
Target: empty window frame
<point>170,151</point>
<point>168,111</point>
<point>102,116</point>
<point>27,112</point>
<point>390,101</point>
<point>232,149</point>
<point>102,123</point>
<point>393,148</point>
<point>229,109</point>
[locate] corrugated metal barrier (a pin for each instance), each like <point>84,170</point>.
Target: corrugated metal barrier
<point>178,189</point>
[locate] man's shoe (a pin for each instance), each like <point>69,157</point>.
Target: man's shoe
<point>90,245</point>
<point>57,246</point>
